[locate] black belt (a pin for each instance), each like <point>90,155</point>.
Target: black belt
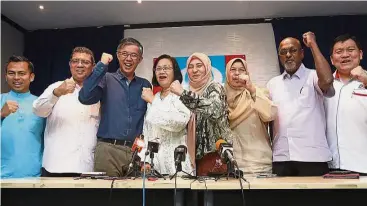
<point>127,143</point>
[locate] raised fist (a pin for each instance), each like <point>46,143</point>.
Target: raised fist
<point>9,107</point>
<point>106,58</point>
<point>68,86</point>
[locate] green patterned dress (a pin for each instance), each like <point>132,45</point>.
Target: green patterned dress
<point>211,111</point>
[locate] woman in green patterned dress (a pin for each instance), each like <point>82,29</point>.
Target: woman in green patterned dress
<point>206,99</point>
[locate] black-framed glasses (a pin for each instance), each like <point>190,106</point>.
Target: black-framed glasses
<point>284,52</point>
<point>126,54</point>
<point>83,61</point>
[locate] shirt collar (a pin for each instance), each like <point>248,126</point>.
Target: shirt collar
<point>121,75</point>
<point>78,87</point>
<point>337,77</point>
<point>299,73</point>
<point>19,95</point>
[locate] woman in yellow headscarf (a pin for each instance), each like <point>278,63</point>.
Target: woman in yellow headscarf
<point>249,111</point>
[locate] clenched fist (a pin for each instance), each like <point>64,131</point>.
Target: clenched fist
<point>176,88</point>
<point>9,107</point>
<point>244,79</point>
<point>68,86</point>
<point>359,74</point>
<point>106,58</point>
<point>147,95</point>
<point>309,39</point>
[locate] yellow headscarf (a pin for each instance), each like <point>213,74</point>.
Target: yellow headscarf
<point>239,99</point>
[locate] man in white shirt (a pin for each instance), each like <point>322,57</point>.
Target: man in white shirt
<point>71,127</point>
<point>347,110</point>
<point>299,142</point>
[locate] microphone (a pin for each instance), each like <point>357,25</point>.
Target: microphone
<point>137,147</point>
<point>153,147</point>
<point>138,144</point>
<point>225,151</point>
<point>180,154</point>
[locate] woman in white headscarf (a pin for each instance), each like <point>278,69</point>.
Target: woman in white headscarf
<point>249,111</point>
<point>206,100</point>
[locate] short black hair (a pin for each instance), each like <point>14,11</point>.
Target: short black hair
<point>130,41</point>
<point>15,58</point>
<point>84,50</point>
<point>343,38</point>
<point>177,75</point>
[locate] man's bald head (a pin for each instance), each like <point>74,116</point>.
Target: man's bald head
<point>290,40</point>
<point>290,54</point>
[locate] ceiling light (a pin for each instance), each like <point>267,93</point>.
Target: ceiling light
<point>41,7</point>
<point>139,1</point>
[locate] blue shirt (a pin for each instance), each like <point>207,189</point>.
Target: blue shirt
<point>122,108</point>
<point>21,138</point>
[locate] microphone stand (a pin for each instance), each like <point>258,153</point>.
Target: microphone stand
<point>133,168</point>
<point>134,163</point>
<point>153,172</point>
<point>231,171</point>
<point>179,169</point>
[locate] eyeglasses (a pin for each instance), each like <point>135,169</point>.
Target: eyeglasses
<point>239,70</point>
<point>159,69</point>
<point>284,52</point>
<point>126,54</point>
<point>84,62</point>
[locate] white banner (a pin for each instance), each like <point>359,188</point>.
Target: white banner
<point>255,41</point>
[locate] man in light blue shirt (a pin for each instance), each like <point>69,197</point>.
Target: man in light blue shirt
<point>21,130</point>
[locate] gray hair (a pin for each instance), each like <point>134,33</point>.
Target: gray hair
<point>130,41</point>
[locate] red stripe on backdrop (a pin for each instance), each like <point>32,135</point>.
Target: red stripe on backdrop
<point>229,57</point>
<point>156,88</point>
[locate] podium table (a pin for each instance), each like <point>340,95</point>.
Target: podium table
<point>284,191</point>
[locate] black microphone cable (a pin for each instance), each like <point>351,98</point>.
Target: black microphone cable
<point>240,179</point>
<point>206,193</point>
<point>201,180</point>
<point>144,177</point>
<point>110,198</point>
<point>175,190</point>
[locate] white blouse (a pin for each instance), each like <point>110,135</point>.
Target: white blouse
<point>165,122</point>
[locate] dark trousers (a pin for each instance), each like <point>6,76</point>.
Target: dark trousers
<point>46,173</point>
<point>112,159</point>
<point>293,168</point>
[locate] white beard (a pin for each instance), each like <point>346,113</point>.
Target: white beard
<point>290,66</point>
